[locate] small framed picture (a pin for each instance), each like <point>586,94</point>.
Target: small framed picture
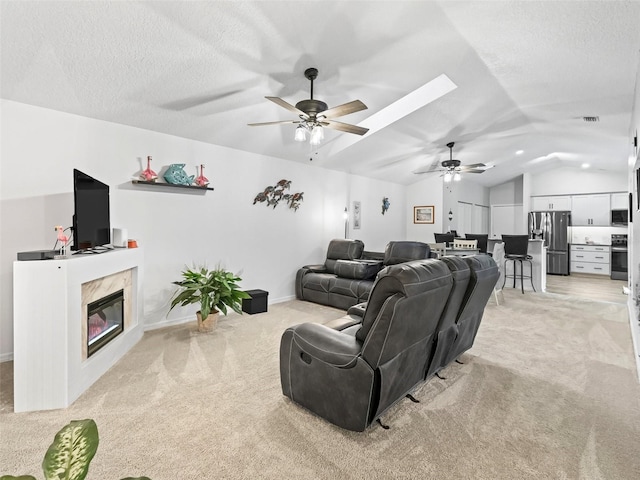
<point>356,215</point>
<point>423,214</point>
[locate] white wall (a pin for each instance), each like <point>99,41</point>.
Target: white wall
<point>508,193</point>
<point>40,148</point>
<point>375,227</point>
<point>563,181</point>
<point>428,191</point>
<point>507,213</point>
<point>433,191</point>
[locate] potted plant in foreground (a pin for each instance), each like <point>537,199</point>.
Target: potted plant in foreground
<point>215,290</point>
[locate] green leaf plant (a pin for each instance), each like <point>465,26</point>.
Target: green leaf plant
<point>69,455</point>
<point>215,290</point>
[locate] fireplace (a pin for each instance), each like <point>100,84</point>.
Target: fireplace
<point>105,321</point>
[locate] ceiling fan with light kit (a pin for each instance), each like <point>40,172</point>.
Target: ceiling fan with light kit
<point>314,114</point>
<point>453,169</point>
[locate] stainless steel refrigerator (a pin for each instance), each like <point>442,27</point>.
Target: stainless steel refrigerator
<point>554,229</point>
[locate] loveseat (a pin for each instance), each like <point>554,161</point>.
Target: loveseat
<point>347,275</point>
<point>420,316</point>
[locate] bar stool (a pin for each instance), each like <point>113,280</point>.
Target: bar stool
<point>515,250</point>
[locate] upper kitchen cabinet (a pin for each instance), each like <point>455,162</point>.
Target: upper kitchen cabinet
<point>554,203</point>
<point>619,201</point>
<point>591,210</point>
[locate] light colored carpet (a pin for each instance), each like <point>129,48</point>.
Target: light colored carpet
<point>547,392</point>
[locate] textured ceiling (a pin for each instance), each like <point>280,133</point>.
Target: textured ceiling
<point>526,73</point>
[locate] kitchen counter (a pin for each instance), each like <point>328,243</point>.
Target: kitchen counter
<point>593,244</point>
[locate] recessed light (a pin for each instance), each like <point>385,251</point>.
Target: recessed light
<point>585,165</point>
<point>519,152</point>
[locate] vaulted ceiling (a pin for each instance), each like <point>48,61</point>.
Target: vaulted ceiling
<point>495,77</point>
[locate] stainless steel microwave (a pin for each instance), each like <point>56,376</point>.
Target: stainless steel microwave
<point>620,217</point>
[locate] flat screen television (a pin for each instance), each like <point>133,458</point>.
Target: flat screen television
<point>91,225</point>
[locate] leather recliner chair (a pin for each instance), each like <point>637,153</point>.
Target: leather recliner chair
<point>483,279</point>
<point>350,377</point>
<point>474,278</point>
<point>347,276</point>
<point>447,328</point>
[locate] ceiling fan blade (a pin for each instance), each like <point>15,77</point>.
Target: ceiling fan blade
<point>287,105</point>
<point>474,165</point>
<point>344,109</point>
<point>281,122</point>
<point>430,170</point>
<point>345,127</point>
<point>472,171</point>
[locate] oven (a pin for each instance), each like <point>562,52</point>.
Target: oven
<point>619,257</point>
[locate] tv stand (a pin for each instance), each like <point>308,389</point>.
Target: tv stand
<point>94,250</point>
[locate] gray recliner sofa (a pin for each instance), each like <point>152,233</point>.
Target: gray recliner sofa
<point>348,273</point>
<point>421,315</point>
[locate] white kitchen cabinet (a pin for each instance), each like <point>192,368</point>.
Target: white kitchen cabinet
<point>619,201</point>
<point>594,259</point>
<point>554,203</point>
<point>591,210</point>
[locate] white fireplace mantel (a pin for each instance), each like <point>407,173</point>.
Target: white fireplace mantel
<point>50,369</point>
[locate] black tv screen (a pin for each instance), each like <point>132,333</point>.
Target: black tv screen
<point>91,226</point>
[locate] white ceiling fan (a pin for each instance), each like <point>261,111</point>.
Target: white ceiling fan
<point>314,114</point>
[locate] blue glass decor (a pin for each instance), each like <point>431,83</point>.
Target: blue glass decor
<point>272,195</point>
<point>176,175</point>
<point>385,204</point>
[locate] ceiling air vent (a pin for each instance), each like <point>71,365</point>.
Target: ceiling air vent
<point>591,119</point>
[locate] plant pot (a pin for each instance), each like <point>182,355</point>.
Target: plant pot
<point>208,324</point>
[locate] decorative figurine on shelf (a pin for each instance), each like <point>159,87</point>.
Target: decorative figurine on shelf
<point>62,238</point>
<point>176,175</point>
<point>385,204</point>
<point>148,175</point>
<point>201,180</point>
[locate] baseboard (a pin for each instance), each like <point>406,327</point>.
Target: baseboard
<point>192,318</point>
<point>635,334</point>
<point>282,299</point>
<point>6,357</point>
<point>169,323</point>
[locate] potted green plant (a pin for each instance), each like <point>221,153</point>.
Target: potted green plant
<point>215,290</point>
<point>69,455</point>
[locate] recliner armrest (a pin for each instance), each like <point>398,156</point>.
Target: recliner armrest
<point>344,322</point>
<point>316,268</point>
<point>325,344</point>
<point>358,310</point>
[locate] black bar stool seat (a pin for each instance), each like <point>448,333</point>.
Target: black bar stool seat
<point>515,250</point>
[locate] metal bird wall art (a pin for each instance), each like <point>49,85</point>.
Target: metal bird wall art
<point>273,195</point>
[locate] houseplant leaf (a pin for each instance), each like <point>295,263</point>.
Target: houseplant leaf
<point>72,449</point>
<point>214,290</point>
<point>21,477</point>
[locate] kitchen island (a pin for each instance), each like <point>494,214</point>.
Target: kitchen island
<point>539,253</point>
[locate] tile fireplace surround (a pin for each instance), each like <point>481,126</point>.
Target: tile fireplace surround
<point>51,368</point>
